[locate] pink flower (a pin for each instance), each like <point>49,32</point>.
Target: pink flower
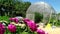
<point>26,20</point>
<point>14,19</point>
<point>31,24</point>
<point>11,19</point>
<point>39,31</point>
<point>2,28</point>
<point>12,28</point>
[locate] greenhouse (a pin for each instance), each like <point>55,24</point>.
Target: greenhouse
<point>42,8</point>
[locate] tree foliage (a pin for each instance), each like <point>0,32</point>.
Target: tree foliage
<point>13,7</point>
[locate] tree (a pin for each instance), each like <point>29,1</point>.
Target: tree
<point>21,8</point>
<point>13,7</point>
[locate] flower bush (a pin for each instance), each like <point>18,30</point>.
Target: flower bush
<point>28,27</point>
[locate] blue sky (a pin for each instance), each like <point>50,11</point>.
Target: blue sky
<point>54,3</point>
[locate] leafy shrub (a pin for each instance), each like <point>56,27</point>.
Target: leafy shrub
<point>38,17</point>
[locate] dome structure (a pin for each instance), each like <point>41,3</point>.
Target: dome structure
<point>40,7</point>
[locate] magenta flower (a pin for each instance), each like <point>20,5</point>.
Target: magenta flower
<point>12,28</point>
<point>31,24</point>
<point>14,19</point>
<point>39,31</point>
<point>2,28</point>
<point>26,20</point>
<point>11,19</point>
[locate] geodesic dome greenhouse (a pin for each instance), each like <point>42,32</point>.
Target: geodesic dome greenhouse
<point>40,7</point>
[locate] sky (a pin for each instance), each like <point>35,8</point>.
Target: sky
<point>54,3</point>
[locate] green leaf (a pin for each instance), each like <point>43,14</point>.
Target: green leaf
<point>25,33</point>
